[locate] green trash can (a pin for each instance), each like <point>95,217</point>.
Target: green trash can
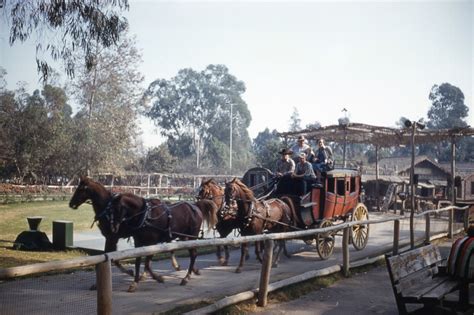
<point>62,234</point>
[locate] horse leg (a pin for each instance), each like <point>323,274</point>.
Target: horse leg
<point>150,271</point>
<point>220,259</point>
<point>227,255</point>
<point>174,262</point>
<point>276,257</point>
<point>285,250</point>
<point>192,260</point>
<point>243,250</point>
<point>134,285</point>
<point>258,248</point>
<point>111,246</point>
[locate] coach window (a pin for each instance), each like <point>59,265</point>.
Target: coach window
<point>341,186</point>
<point>353,184</point>
<point>331,186</point>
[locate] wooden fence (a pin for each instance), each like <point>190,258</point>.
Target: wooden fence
<point>102,262</point>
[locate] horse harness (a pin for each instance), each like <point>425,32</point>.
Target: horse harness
<point>146,219</point>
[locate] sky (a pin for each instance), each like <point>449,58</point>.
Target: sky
<point>377,59</point>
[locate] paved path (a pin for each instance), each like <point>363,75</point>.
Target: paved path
<point>69,294</point>
<point>363,293</point>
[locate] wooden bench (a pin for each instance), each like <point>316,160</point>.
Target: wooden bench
<point>418,276</point>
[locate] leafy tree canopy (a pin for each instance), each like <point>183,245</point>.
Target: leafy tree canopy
<point>193,110</point>
<point>63,27</point>
<point>448,109</point>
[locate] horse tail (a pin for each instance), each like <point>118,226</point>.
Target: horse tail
<point>209,212</point>
<point>291,205</point>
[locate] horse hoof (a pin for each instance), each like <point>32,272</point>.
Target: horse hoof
<point>132,288</point>
<point>93,287</point>
<point>160,279</point>
<point>197,272</point>
<point>222,261</point>
<point>225,263</point>
<point>183,282</point>
<point>238,270</point>
<point>177,268</point>
<point>143,277</point>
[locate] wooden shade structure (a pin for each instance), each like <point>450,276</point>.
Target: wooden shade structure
<point>389,137</point>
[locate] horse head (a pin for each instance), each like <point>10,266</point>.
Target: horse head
<point>210,190</point>
<point>82,193</point>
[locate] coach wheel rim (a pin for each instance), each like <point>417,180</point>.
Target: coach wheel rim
<point>360,232</point>
<point>325,241</point>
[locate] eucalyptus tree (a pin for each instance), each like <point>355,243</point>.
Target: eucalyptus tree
<point>267,146</point>
<point>447,110</point>
<point>61,28</point>
<point>108,99</point>
<point>193,110</point>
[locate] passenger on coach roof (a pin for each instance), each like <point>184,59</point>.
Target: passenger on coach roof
<point>285,166</point>
<point>304,171</point>
<point>300,147</point>
<point>323,159</point>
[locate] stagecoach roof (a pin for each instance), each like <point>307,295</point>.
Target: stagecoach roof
<point>376,135</point>
<point>342,172</point>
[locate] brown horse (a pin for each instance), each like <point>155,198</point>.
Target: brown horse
<point>102,202</point>
<point>150,223</point>
<point>255,216</point>
<point>210,190</point>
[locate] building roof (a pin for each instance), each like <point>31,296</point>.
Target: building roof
<point>401,164</point>
<point>463,169</point>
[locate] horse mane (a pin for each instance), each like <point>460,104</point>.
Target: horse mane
<point>247,192</point>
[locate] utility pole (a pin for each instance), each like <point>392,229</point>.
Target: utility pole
<point>230,141</point>
<point>413,125</point>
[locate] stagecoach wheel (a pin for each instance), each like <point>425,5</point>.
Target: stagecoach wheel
<point>360,232</point>
<point>325,241</point>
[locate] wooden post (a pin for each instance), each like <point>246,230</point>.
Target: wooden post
<point>412,188</point>
<point>453,192</point>
<point>427,228</point>
<point>396,236</point>
<point>377,185</point>
<point>345,252</point>
<point>103,273</point>
<point>265,273</point>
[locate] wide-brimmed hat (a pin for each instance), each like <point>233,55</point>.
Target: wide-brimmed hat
<point>302,155</point>
<point>285,151</point>
<point>301,138</point>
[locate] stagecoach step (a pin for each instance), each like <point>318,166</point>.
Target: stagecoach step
<point>308,204</point>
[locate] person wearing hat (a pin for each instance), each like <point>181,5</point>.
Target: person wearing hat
<point>304,171</point>
<point>323,159</point>
<point>285,166</point>
<point>300,147</point>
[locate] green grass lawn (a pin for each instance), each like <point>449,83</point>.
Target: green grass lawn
<point>13,222</point>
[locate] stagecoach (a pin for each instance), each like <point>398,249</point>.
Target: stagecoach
<point>335,200</point>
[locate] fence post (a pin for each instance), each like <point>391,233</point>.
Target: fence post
<point>427,228</point>
<point>103,273</point>
<point>265,273</point>
<point>396,236</point>
<point>450,223</point>
<point>466,218</point>
<point>345,251</point>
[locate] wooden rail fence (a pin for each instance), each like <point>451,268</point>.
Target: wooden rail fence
<point>103,262</point>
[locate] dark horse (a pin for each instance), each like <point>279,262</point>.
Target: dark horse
<point>102,201</point>
<point>150,223</point>
<point>255,216</point>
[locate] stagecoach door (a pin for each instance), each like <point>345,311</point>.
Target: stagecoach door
<point>336,196</point>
